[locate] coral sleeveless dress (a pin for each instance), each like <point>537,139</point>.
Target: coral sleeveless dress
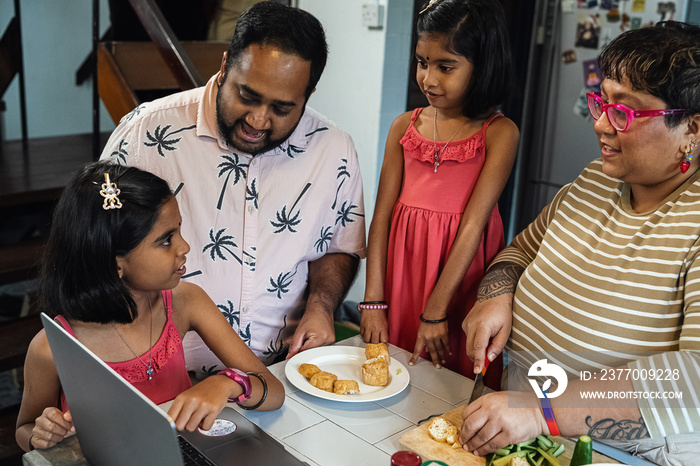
<point>169,377</point>
<point>424,225</point>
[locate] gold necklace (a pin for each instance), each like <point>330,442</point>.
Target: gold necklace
<point>438,155</point>
<point>149,369</point>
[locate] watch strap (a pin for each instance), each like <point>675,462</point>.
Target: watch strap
<point>243,380</point>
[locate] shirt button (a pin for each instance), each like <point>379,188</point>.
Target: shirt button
<point>251,209</point>
<point>246,309</point>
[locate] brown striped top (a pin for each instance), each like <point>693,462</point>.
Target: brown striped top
<point>604,283</point>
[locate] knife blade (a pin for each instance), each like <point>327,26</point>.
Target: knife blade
<point>478,389</point>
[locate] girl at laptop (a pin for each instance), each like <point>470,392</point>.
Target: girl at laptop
<point>111,276</point>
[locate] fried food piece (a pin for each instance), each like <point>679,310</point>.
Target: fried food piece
<point>442,430</point>
<point>308,370</point>
<point>375,371</point>
<point>346,387</point>
<point>323,380</point>
<point>379,349</point>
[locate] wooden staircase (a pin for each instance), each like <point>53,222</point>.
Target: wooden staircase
<point>124,68</point>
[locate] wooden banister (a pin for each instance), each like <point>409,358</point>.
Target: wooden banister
<point>126,67</point>
<point>115,92</point>
<point>168,45</point>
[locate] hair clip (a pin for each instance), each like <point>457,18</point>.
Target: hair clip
<point>109,192</point>
<point>432,2</point>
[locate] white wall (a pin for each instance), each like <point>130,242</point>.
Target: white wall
<point>56,38</point>
<point>365,82</point>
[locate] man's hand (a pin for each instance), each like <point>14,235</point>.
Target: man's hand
<point>315,329</point>
<point>489,424</point>
<point>330,277</point>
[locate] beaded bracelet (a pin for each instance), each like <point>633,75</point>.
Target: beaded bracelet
<point>264,395</point>
<point>438,321</point>
<point>372,305</point>
<point>549,415</point>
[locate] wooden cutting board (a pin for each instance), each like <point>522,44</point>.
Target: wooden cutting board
<point>420,442</point>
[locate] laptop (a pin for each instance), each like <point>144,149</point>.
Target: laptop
<point>117,425</point>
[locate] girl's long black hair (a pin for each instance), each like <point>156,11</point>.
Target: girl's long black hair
<point>78,277</point>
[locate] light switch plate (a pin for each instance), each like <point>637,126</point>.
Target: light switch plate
<point>372,15</point>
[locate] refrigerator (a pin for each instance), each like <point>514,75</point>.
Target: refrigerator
<point>556,131</point>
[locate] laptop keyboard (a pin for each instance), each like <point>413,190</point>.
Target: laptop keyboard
<point>191,456</point>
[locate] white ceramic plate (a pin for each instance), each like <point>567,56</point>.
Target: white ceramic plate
<point>346,363</point>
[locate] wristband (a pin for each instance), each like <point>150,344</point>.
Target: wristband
<point>31,447</point>
<point>549,415</point>
<point>438,321</point>
<point>264,395</point>
<point>242,379</point>
<point>372,305</point>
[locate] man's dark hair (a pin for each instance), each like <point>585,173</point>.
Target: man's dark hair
<point>79,277</point>
<point>292,30</point>
<point>663,60</point>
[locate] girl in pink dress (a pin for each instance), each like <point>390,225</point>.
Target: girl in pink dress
<point>111,275</point>
<point>436,224</point>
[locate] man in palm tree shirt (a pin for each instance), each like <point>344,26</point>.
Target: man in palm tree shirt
<point>270,191</point>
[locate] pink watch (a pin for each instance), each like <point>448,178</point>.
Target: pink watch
<point>242,379</point>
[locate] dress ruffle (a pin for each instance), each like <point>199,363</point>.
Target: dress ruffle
<point>459,151</point>
<point>423,149</point>
<point>135,371</point>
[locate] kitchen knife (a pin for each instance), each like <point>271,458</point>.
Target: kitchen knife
<point>479,382</point>
<point>619,455</point>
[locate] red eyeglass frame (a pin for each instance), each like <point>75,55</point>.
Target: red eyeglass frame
<point>631,114</point>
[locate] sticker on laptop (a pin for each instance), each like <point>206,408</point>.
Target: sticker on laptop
<point>220,428</point>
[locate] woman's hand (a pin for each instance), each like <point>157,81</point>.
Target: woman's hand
<point>435,340</point>
<point>488,423</point>
<point>200,405</point>
<point>488,320</point>
<point>373,326</point>
<point>51,427</point>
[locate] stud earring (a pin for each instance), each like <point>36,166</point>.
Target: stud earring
<point>685,164</point>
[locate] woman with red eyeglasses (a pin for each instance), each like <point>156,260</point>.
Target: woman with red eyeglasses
<point>597,302</point>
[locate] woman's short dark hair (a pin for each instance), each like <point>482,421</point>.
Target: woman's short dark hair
<point>78,277</point>
<point>292,30</point>
<point>663,60</point>
<point>475,29</point>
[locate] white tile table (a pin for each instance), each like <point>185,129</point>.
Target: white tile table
<point>331,433</point>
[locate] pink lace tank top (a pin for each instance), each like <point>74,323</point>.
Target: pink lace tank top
<point>169,376</point>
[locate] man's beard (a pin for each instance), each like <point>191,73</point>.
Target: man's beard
<point>227,130</point>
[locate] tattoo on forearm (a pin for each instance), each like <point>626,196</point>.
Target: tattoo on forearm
<point>499,281</point>
<point>617,430</point>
